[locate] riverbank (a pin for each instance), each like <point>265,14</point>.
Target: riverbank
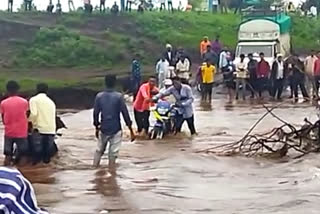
<point>72,52</point>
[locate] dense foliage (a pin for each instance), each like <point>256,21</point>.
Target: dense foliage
<point>63,48</point>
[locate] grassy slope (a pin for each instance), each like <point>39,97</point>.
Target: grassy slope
<point>83,44</point>
<point>187,29</point>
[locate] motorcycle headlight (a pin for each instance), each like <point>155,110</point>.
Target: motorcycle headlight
<point>162,111</point>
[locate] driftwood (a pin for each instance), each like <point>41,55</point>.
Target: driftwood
<point>279,142</point>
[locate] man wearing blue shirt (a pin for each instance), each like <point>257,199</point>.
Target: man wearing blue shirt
<point>108,106</point>
<point>184,99</point>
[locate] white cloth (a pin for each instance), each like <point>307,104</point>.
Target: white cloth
<point>215,2</point>
<point>184,75</point>
<point>314,11</point>
<point>223,62</point>
<point>183,66</point>
<point>242,71</point>
<point>169,55</point>
<point>183,69</point>
<point>280,73</point>
<point>162,67</point>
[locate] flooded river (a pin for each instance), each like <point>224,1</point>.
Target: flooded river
<point>169,177</point>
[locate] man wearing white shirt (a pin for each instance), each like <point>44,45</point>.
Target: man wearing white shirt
<point>183,68</point>
<point>242,76</point>
<point>223,59</point>
<point>277,77</point>
<point>162,69</point>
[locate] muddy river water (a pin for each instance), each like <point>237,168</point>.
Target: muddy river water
<point>161,177</point>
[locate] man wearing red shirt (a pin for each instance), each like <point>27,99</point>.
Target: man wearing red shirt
<point>14,116</point>
<point>263,70</point>
<point>142,104</point>
<point>316,73</point>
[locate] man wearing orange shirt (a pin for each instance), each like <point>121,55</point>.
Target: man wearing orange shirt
<point>142,104</point>
<point>203,45</point>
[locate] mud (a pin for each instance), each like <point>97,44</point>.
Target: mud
<point>168,176</point>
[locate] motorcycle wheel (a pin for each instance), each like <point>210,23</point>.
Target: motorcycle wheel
<point>156,133</point>
<point>160,134</point>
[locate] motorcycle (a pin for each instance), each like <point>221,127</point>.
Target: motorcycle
<point>34,144</point>
<point>165,113</point>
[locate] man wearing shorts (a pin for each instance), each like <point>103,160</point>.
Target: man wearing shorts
<point>208,72</point>
<point>14,116</point>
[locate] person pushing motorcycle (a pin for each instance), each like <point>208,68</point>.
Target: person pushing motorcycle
<point>184,100</point>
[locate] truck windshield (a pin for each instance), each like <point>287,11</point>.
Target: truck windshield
<point>256,50</point>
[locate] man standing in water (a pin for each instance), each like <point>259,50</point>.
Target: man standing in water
<point>208,72</point>
<point>14,117</point>
<point>108,106</point>
<point>252,69</point>
<point>263,70</point>
<point>184,99</point>
<point>142,104</point>
<point>309,69</point>
<point>278,74</point>
<point>242,75</point>
<point>43,118</point>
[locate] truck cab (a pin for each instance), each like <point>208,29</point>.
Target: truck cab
<point>265,32</point>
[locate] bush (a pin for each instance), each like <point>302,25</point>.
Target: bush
<point>63,48</point>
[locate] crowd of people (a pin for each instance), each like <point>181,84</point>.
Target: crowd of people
<point>110,104</point>
<point>88,7</point>
<point>255,75</point>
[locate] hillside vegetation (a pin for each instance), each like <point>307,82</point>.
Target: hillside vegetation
<point>101,43</point>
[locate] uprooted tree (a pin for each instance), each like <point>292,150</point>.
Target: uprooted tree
<point>279,142</point>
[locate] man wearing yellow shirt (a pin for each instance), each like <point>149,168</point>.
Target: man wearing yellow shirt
<point>43,118</point>
<point>208,72</point>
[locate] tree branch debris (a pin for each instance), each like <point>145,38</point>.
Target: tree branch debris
<point>277,143</point>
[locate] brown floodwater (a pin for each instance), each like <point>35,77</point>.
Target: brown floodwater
<point>167,176</point>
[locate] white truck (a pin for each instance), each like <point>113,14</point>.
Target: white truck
<point>264,33</point>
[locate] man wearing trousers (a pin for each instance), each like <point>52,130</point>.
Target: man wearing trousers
<point>277,77</point>
<point>184,100</point>
<point>108,106</point>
